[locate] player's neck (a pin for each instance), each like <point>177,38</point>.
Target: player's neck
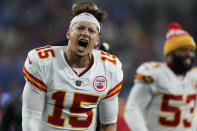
<point>78,62</point>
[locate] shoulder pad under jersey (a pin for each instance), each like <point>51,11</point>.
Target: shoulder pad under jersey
<point>146,71</point>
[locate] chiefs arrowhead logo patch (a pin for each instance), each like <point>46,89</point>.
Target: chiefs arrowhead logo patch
<point>100,83</point>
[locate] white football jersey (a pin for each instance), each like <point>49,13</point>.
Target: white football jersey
<point>172,105</point>
<point>72,99</point>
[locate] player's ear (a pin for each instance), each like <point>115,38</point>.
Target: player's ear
<point>68,34</point>
<point>97,41</point>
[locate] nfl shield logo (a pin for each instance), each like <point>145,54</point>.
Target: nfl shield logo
<point>100,83</point>
<point>78,83</point>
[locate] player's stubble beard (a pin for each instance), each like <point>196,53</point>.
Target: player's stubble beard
<point>180,67</point>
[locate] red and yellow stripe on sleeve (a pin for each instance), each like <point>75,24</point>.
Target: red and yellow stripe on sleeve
<point>34,81</point>
<point>114,90</point>
<point>147,79</point>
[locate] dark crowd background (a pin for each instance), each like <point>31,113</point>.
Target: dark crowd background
<point>135,31</point>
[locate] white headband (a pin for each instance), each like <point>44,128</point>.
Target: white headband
<point>85,17</point>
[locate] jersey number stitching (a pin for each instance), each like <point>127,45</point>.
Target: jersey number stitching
<point>75,109</point>
<point>176,111</point>
<point>44,52</point>
<point>108,57</point>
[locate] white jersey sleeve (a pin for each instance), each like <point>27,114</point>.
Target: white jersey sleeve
<point>139,98</point>
<point>108,107</point>
<point>34,93</point>
<point>108,110</point>
<point>34,73</point>
<point>33,105</point>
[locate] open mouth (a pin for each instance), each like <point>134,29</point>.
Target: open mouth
<point>82,44</point>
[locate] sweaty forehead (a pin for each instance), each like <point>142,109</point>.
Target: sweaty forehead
<point>86,25</point>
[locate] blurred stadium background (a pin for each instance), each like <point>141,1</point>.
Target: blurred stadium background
<point>135,31</point>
